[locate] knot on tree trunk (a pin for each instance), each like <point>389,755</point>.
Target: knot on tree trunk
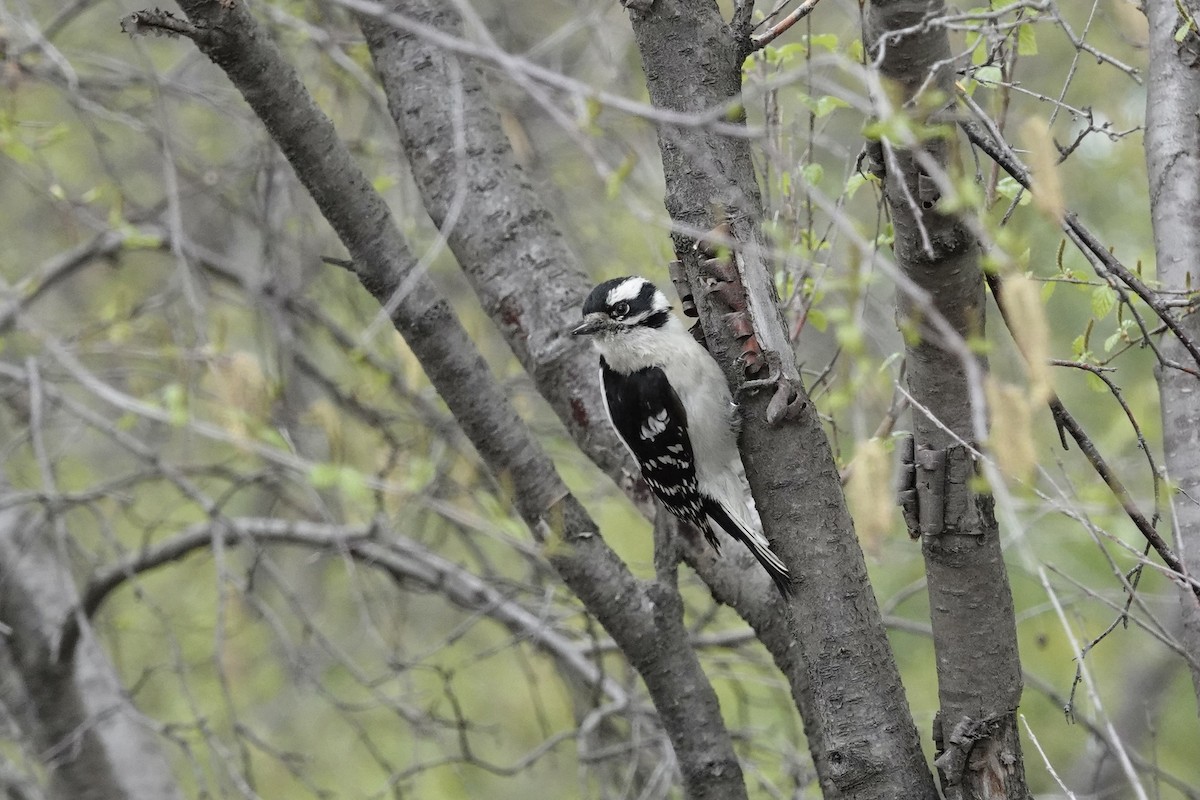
<point>852,765</point>
<point>934,491</point>
<point>976,756</point>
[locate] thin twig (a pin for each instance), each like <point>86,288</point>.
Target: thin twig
<point>1066,422</point>
<point>160,23</point>
<point>1045,759</point>
<point>760,40</point>
<point>999,151</point>
<point>1089,684</point>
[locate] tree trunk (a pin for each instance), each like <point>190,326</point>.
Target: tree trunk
<point>94,744</point>
<point>974,629</point>
<point>868,746</point>
<point>506,241</point>
<point>1172,144</point>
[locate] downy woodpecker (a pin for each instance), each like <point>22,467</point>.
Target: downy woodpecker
<point>668,400</point>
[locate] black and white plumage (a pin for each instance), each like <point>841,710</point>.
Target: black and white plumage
<point>671,406</point>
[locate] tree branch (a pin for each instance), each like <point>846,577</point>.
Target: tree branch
<point>681,693</point>
<point>403,559</point>
<point>760,40</point>
<point>999,151</point>
<point>1067,422</point>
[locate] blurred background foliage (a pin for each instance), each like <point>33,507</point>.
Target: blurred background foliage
<point>174,353</point>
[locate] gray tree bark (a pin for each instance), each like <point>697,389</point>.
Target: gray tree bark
<point>971,607</point>
<point>869,747</point>
<point>516,258</point>
<point>644,619</point>
<point>1172,143</point>
<point>93,742</point>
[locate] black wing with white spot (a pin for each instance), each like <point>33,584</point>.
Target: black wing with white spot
<point>653,423</point>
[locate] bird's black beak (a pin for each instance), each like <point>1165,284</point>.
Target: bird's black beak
<point>592,323</point>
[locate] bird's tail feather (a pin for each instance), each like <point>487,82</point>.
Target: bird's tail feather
<point>754,541</point>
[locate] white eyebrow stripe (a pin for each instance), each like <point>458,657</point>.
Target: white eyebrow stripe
<point>626,291</point>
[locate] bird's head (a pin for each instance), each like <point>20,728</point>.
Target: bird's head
<point>622,306</point>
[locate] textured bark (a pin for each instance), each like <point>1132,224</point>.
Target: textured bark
<point>639,617</point>
<point>868,745</point>
<point>93,742</point>
<point>971,607</point>
<point>1173,163</point>
<point>515,257</point>
<point>502,235</point>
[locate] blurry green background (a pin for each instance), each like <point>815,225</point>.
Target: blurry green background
<point>287,673</point>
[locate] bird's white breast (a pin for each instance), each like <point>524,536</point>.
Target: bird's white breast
<point>698,381</point>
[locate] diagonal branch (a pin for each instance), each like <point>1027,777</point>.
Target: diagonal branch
<point>999,151</point>
<point>760,40</point>
<point>1067,422</point>
<point>684,698</point>
<point>527,279</point>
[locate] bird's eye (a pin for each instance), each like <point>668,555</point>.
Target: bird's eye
<point>620,310</point>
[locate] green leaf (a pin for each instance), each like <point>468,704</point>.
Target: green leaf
<point>14,148</point>
<point>346,479</point>
<point>1104,300</point>
<point>790,51</point>
<point>851,337</point>
<point>134,239</point>
<point>827,104</point>
<point>816,317</point>
<point>1182,32</point>
<point>1047,290</point>
<point>855,181</point>
<point>591,110</point>
<point>323,476</point>
<point>175,401</point>
<point>813,172</point>
<point>1009,188</point>
<point>829,41</point>
<point>1026,41</point>
<point>617,179</point>
<point>421,472</point>
<point>979,53</point>
<point>988,75</point>
<point>353,485</point>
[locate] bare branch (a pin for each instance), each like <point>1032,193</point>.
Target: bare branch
<point>1108,264</point>
<point>402,558</point>
<point>684,698</point>
<point>760,40</point>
